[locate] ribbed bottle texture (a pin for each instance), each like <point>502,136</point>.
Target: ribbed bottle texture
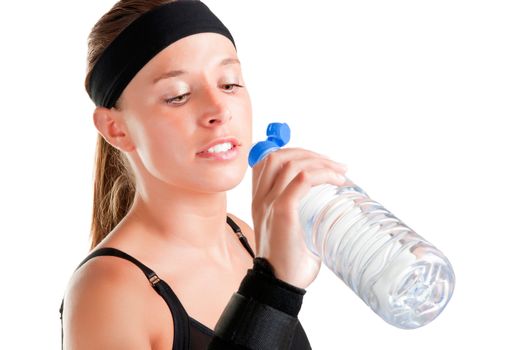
<point>401,276</point>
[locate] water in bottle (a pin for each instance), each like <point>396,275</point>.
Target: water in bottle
<point>400,275</point>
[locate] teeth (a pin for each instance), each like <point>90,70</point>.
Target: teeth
<point>222,147</point>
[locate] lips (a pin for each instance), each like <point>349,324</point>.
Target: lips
<point>232,140</point>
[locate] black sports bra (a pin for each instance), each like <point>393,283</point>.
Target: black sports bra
<point>195,335</point>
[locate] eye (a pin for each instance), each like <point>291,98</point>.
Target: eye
<point>232,87</point>
<point>177,99</point>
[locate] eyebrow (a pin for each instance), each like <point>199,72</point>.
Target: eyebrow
<point>174,73</point>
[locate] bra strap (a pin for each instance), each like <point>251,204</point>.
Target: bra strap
<point>239,234</point>
<point>180,320</point>
<point>162,288</point>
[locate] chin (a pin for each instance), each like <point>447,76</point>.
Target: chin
<point>221,180</point>
<point>222,185</point>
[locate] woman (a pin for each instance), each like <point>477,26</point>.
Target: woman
<point>174,121</point>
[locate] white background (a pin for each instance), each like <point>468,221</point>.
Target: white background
<point>424,100</point>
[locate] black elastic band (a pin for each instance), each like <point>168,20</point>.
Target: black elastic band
<point>145,37</point>
<point>247,323</point>
<point>262,314</point>
<point>261,284</point>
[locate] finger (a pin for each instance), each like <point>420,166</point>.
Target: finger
<point>265,172</point>
<point>302,183</point>
<point>292,168</point>
<point>284,154</point>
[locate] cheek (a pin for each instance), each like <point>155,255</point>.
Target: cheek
<point>162,151</point>
<point>246,104</point>
<point>243,110</point>
<point>248,132</point>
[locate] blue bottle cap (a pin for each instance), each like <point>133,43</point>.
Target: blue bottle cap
<point>278,136</point>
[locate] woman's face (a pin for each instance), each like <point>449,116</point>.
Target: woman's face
<point>172,116</point>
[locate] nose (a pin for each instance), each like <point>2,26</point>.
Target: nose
<point>216,110</point>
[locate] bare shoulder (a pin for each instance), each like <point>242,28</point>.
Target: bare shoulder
<point>105,306</point>
<point>246,230</point>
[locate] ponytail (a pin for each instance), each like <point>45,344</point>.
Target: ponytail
<point>114,190</point>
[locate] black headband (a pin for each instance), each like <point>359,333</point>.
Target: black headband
<point>145,37</point>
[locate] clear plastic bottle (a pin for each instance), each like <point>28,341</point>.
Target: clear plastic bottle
<point>401,276</point>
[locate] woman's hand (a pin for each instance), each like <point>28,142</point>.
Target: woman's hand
<point>280,181</point>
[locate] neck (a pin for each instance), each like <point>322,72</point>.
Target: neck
<point>179,218</point>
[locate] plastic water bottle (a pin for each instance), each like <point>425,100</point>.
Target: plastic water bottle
<point>397,273</point>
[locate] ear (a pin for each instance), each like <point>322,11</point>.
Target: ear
<point>110,124</point>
